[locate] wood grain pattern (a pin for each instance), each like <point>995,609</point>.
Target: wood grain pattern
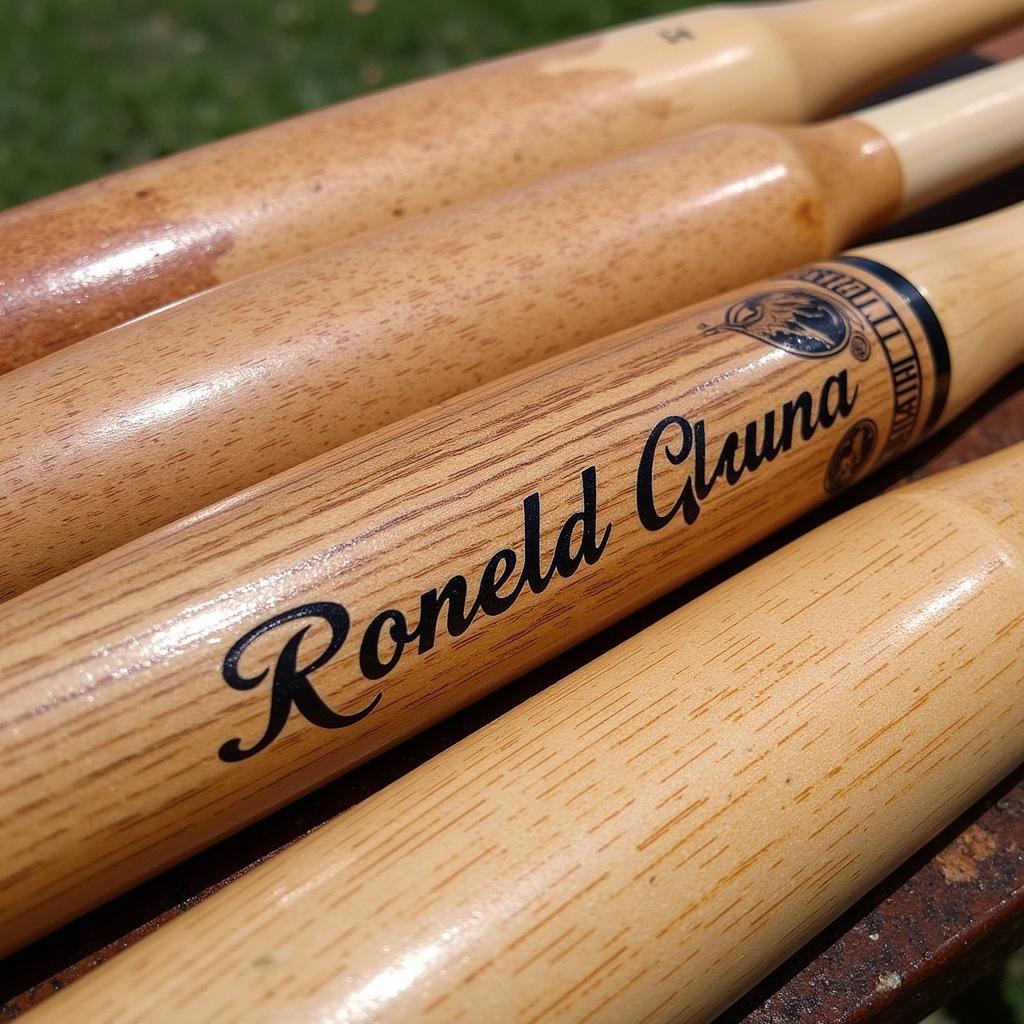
<point>193,404</point>
<point>952,915</point>
<point>199,401</point>
<point>92,257</point>
<point>938,936</point>
<point>842,981</point>
<point>647,838</point>
<point>119,665</point>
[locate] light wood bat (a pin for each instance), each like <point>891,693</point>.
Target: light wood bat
<point>164,695</point>
<point>94,256</point>
<point>645,839</point>
<point>130,430</point>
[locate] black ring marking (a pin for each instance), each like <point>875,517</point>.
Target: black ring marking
<point>934,334</point>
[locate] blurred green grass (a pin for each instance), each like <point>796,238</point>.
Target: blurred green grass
<point>998,999</point>
<point>89,86</point>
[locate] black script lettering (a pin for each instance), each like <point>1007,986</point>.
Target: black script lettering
<point>566,561</point>
<point>802,404</point>
<point>370,663</point>
<point>388,635</point>
<point>646,508</point>
<point>533,576</point>
<point>705,486</point>
<point>738,455</point>
<point>757,451</point>
<point>454,594</point>
<point>835,393</point>
<point>291,685</point>
<point>496,574</point>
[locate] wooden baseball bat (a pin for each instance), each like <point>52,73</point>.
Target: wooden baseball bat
<point>94,256</point>
<point>646,839</point>
<point>130,430</point>
<point>165,694</point>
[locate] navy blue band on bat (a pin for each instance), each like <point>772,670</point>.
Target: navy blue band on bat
<point>933,331</point>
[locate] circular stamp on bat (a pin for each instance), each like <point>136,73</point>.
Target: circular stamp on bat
<point>860,347</point>
<point>852,455</point>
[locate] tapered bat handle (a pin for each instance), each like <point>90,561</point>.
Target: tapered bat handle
<point>214,395</point>
<point>173,690</point>
<point>649,837</point>
<point>94,256</point>
<point>970,126</point>
<point>980,315</point>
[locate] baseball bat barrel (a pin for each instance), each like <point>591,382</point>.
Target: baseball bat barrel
<point>200,401</point>
<point>650,836</point>
<point>163,695</point>
<point>94,256</point>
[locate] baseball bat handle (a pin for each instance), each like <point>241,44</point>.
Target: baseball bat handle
<point>970,276</point>
<point>732,778</point>
<point>827,63</point>
<point>965,131</point>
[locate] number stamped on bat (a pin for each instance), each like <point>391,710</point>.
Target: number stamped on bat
<point>674,35</point>
<point>815,314</point>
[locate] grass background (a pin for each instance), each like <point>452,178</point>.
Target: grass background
<point>89,86</point>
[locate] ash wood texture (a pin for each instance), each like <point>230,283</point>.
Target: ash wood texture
<point>147,705</point>
<point>197,402</point>
<point>213,395</point>
<point>649,837</point>
<point>971,928</point>
<point>921,918</point>
<point>95,256</point>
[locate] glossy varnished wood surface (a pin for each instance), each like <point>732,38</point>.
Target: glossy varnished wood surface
<point>954,911</point>
<point>217,393</point>
<point>378,523</point>
<point>373,526</point>
<point>950,916</point>
<point>49,966</point>
<point>649,837</point>
<point>94,256</point>
<point>197,402</point>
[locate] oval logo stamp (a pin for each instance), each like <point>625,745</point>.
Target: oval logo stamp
<point>797,321</point>
<point>851,456</point>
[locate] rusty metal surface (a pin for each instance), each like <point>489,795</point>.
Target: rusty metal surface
<point>935,926</point>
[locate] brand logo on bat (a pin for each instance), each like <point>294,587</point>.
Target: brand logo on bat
<point>851,456</point>
<point>799,322</point>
